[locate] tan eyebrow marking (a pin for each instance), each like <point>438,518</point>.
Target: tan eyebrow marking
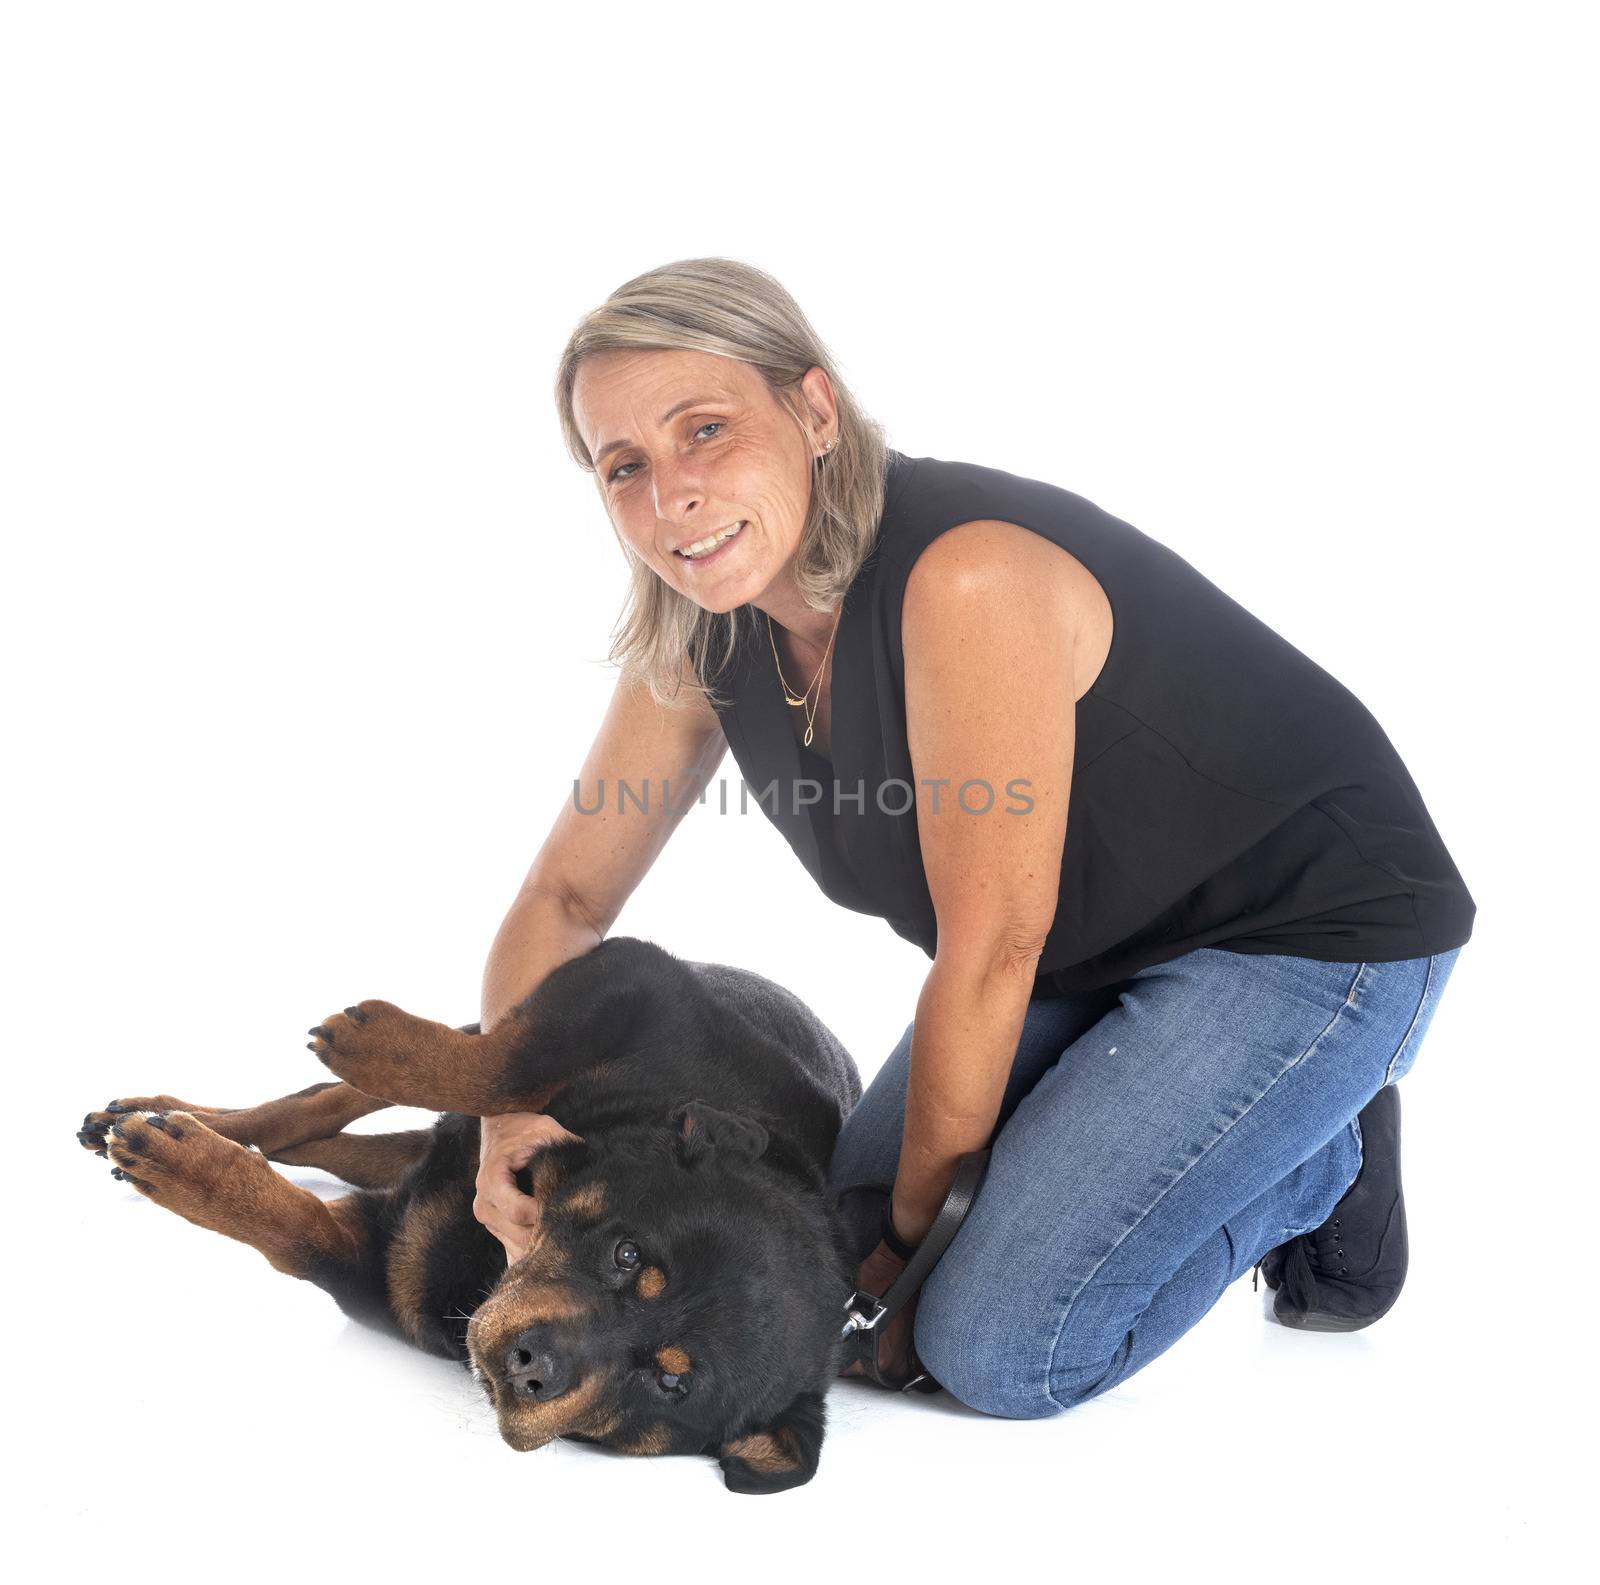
<point>590,1200</point>
<point>672,1358</point>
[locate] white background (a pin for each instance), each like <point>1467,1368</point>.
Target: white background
<point>306,616</point>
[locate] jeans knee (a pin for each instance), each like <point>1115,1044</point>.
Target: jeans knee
<point>1074,1384</point>
<point>978,1365</point>
<point>1003,1363</point>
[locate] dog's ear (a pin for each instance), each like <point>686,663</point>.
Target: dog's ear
<point>559,1160</point>
<point>703,1128</point>
<point>777,1456</point>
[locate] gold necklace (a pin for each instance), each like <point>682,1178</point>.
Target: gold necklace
<point>803,702</point>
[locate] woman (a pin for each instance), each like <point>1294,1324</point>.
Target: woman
<point>1171,1010</point>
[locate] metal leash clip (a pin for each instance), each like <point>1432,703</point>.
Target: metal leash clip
<point>860,1318</point>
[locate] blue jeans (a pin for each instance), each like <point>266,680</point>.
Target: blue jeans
<point>1156,1138</point>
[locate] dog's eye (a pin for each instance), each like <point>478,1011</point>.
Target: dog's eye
<point>670,1381</point>
<point>626,1254</point>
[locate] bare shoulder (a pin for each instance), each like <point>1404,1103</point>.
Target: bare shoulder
<point>991,560</point>
<point>1006,579</point>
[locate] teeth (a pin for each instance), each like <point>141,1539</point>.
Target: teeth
<point>701,546</point>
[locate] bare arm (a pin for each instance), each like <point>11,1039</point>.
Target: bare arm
<point>588,867</point>
<point>591,863</point>
<point>987,627</point>
<point>988,633</point>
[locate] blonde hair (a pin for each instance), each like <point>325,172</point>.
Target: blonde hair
<point>736,311</point>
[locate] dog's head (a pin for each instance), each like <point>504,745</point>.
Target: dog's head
<point>683,1294</point>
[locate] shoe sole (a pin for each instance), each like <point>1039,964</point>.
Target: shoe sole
<point>1323,1321</point>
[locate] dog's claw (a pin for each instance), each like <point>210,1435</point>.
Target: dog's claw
<point>156,1120</point>
<point>92,1139</point>
<point>117,1172</point>
<point>355,1015</point>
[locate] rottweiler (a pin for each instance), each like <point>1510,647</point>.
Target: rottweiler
<point>685,1285</point>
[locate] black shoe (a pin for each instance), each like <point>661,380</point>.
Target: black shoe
<point>1347,1273</point>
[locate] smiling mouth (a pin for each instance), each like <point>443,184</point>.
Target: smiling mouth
<point>701,549</point>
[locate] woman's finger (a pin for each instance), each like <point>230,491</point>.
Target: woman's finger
<point>514,1246</point>
<point>514,1237</point>
<point>498,1205</point>
<point>515,1154</point>
<point>508,1145</point>
<point>520,1210</point>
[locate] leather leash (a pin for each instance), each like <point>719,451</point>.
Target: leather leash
<point>865,1312</point>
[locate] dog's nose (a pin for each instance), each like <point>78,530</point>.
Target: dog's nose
<point>535,1372</point>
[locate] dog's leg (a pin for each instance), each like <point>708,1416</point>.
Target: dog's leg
<point>410,1061</point>
<point>619,999</point>
<point>377,1266</point>
<point>317,1112</point>
<point>369,1161</point>
<point>179,1162</point>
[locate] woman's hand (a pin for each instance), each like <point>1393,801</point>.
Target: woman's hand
<point>893,1337</point>
<point>506,1144</point>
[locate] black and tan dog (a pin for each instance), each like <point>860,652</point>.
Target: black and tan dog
<point>685,1286</point>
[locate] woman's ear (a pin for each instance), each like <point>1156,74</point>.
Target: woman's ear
<point>704,1129</point>
<point>779,1455</point>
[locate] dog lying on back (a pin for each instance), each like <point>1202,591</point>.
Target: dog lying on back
<point>684,1289</point>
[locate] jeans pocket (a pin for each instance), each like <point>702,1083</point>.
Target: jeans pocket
<point>1439,968</point>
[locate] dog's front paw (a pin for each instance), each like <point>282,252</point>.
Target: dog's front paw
<point>387,1053</point>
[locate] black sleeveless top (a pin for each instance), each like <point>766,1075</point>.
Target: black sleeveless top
<point>1226,791</point>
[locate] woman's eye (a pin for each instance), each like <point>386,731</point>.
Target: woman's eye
<point>617,473</point>
<point>626,1254</point>
<point>668,1381</point>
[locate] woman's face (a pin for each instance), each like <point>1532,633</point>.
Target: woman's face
<point>688,444</point>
